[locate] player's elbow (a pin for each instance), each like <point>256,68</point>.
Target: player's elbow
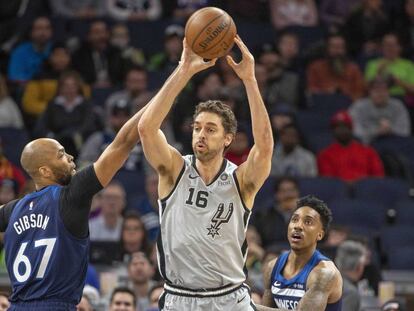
<point>144,128</point>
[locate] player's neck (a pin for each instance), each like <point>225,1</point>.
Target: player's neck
<point>299,258</point>
<point>209,169</point>
<point>42,183</point>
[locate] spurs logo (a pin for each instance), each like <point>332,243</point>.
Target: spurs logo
<point>218,219</point>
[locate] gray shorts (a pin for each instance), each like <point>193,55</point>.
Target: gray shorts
<point>235,298</point>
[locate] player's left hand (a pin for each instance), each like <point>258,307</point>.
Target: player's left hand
<point>191,63</point>
<point>245,68</point>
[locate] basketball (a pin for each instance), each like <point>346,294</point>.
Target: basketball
<point>210,32</point>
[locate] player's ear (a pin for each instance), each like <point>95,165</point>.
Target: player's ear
<point>320,235</point>
<point>45,172</point>
<point>228,139</point>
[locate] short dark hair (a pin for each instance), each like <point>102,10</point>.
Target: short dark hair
<point>283,179</point>
<point>221,109</point>
<point>319,206</point>
<point>124,289</point>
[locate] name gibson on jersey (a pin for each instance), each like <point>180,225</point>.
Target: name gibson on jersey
<point>30,221</point>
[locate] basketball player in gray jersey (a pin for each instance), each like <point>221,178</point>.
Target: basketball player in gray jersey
<point>205,200</point>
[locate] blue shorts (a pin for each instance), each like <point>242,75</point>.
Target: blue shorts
<point>42,306</point>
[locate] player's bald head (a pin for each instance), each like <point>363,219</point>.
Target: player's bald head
<point>38,153</point>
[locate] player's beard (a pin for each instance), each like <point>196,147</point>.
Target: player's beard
<point>63,177</point>
<point>205,156</point>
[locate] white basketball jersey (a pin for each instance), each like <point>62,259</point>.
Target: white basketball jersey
<point>202,244</point>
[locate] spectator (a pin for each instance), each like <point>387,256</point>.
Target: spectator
<point>286,13</point>
<point>365,27</point>
<point>9,112</point>
<point>119,114</point>
<point>350,260</point>
<point>405,27</point>
<point>135,90</point>
<point>239,149</point>
<point>154,294</point>
<point>123,299</point>
<point>69,117</point>
<point>84,304</point>
<point>254,259</point>
<point>41,90</point>
<point>288,47</point>
<point>167,60</point>
<point>133,235</point>
<point>9,171</point>
<point>271,223</point>
<point>247,10</point>
<point>107,226</point>
<point>99,63</point>
<point>277,85</point>
<point>393,305</point>
<point>346,158</point>
<point>335,73</point>
<point>134,10</point>
<point>183,9</point>
<point>379,114</point>
<point>392,67</point>
<point>27,58</point>
<point>9,189</point>
<point>290,158</point>
<point>4,301</point>
<point>120,39</point>
<point>84,9</point>
<point>280,116</point>
<point>141,271</point>
<point>148,206</point>
<point>333,13</point>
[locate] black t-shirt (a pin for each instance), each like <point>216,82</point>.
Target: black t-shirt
<point>75,203</point>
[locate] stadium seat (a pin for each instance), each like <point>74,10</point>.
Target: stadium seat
<point>133,182</point>
<point>328,104</point>
<point>12,141</point>
<point>396,237</point>
<point>401,258</point>
<point>265,197</point>
<point>386,191</point>
<point>405,212</point>
<point>327,189</point>
<point>308,36</point>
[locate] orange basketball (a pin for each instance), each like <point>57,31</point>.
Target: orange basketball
<point>210,32</point>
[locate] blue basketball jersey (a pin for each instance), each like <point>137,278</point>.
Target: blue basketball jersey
<point>287,293</point>
<point>45,261</point>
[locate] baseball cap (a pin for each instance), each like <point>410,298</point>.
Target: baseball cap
<point>341,117</point>
<point>121,106</point>
<point>393,305</point>
<point>174,30</point>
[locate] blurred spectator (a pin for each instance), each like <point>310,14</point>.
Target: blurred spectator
<point>134,10</point>
<point>255,255</point>
<point>333,13</point>
<point>107,226</point>
<point>393,305</point>
<point>133,235</point>
<point>99,63</point>
<point>379,114</point>
<point>4,301</point>
<point>10,115</point>
<point>398,71</point>
<point>335,73</point>
<point>148,206</point>
<point>69,117</point>
<point>84,304</point>
<point>365,27</point>
<point>92,279</point>
<point>141,271</point>
<point>276,84</point>
<point>271,223</point>
<point>247,10</point>
<point>9,190</point>
<point>230,78</point>
<point>288,46</point>
<point>27,58</point>
<point>154,294</point>
<point>78,9</point>
<point>350,260</point>
<point>123,299</point>
<point>346,158</point>
<point>404,26</point>
<point>167,60</point>
<point>120,38</point>
<point>184,8</point>
<point>41,90</point>
<point>135,91</point>
<point>290,158</point>
<point>239,149</point>
<point>293,13</point>
<point>280,116</point>
<point>9,171</point>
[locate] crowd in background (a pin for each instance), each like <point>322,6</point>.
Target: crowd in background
<point>81,89</point>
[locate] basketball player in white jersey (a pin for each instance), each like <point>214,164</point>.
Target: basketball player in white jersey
<point>205,200</point>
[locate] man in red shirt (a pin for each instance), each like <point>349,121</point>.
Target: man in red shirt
<point>347,158</point>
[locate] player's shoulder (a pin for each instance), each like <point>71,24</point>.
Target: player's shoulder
<point>325,273</point>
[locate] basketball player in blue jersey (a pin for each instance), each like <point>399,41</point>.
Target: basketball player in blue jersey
<point>46,232</point>
<point>303,279</point>
<point>205,200</point>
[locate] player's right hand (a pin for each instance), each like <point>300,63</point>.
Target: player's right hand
<point>191,63</point>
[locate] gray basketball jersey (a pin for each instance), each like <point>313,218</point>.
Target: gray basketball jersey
<point>202,244</point>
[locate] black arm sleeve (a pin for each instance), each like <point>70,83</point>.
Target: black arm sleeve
<point>5,213</point>
<point>75,201</point>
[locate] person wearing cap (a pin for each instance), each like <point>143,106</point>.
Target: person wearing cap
<point>393,305</point>
<point>379,114</point>
<point>346,158</point>
<point>167,60</point>
<point>335,73</point>
<point>134,10</point>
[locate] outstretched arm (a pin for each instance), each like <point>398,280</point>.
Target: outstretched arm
<point>252,173</point>
<point>114,156</point>
<point>166,160</point>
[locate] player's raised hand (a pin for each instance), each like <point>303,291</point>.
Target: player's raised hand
<point>245,68</point>
<point>191,63</point>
